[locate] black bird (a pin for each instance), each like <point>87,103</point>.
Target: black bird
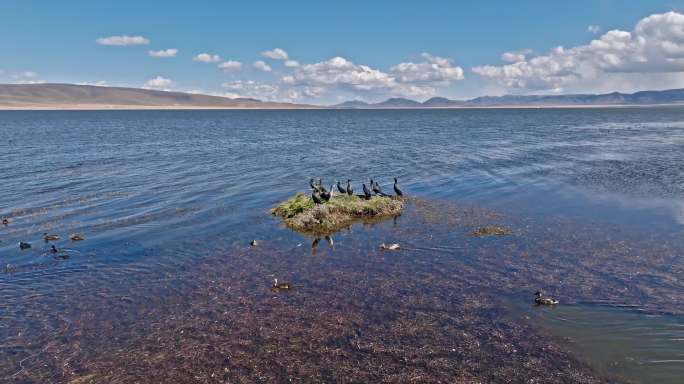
<point>350,190</point>
<point>366,192</point>
<point>316,196</point>
<point>312,184</point>
<point>376,188</point>
<point>397,190</point>
<point>340,188</point>
<point>23,245</point>
<point>326,195</point>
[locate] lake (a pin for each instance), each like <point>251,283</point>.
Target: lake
<point>165,287</point>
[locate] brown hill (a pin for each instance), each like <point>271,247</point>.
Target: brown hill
<point>72,96</point>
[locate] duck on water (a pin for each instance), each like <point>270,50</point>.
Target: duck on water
<point>540,299</point>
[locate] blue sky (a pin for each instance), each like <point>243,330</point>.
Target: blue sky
<point>347,50</point>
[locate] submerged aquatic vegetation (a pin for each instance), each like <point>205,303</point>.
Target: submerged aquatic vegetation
<point>492,230</point>
<point>300,212</point>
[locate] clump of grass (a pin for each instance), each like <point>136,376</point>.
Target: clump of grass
<point>294,206</point>
<point>300,212</point>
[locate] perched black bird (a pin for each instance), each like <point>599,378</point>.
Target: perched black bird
<point>366,192</point>
<point>350,190</point>
<point>340,188</point>
<point>376,188</point>
<point>312,184</point>
<point>316,196</point>
<point>397,190</point>
<point>326,194</point>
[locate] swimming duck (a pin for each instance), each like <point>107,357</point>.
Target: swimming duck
<point>76,237</point>
<point>5,222</point>
<point>341,189</point>
<point>23,245</point>
<point>50,237</point>
<point>350,190</point>
<point>316,197</point>
<point>397,190</point>
<point>280,286</point>
<point>253,243</point>
<point>54,249</point>
<point>390,247</point>
<point>366,192</point>
<point>539,299</point>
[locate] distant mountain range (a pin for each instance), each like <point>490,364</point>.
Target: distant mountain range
<point>73,96</point>
<point>670,97</point>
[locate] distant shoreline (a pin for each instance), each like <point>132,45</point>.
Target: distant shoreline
<point>91,107</point>
<point>87,107</point>
<point>46,96</point>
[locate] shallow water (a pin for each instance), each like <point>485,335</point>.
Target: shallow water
<point>647,348</point>
<point>595,198</point>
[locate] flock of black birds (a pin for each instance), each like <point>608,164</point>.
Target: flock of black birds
<point>321,195</point>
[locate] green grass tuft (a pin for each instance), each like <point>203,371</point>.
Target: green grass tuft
<point>294,206</point>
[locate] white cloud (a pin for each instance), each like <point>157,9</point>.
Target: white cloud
<point>262,66</point>
<point>655,47</point>
<point>207,58</point>
<point>404,79</point>
<point>262,91</point>
<point>25,75</point>
<point>275,54</point>
<point>159,82</point>
<point>230,65</point>
<point>171,52</point>
<point>100,83</point>
<point>515,56</point>
<point>340,76</point>
<point>123,40</point>
<point>594,29</point>
<point>313,91</point>
<point>340,71</point>
<point>251,87</point>
<point>434,69</point>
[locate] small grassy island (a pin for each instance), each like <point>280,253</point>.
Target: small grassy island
<point>302,214</point>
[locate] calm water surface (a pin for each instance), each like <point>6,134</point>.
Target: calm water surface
<point>595,198</point>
